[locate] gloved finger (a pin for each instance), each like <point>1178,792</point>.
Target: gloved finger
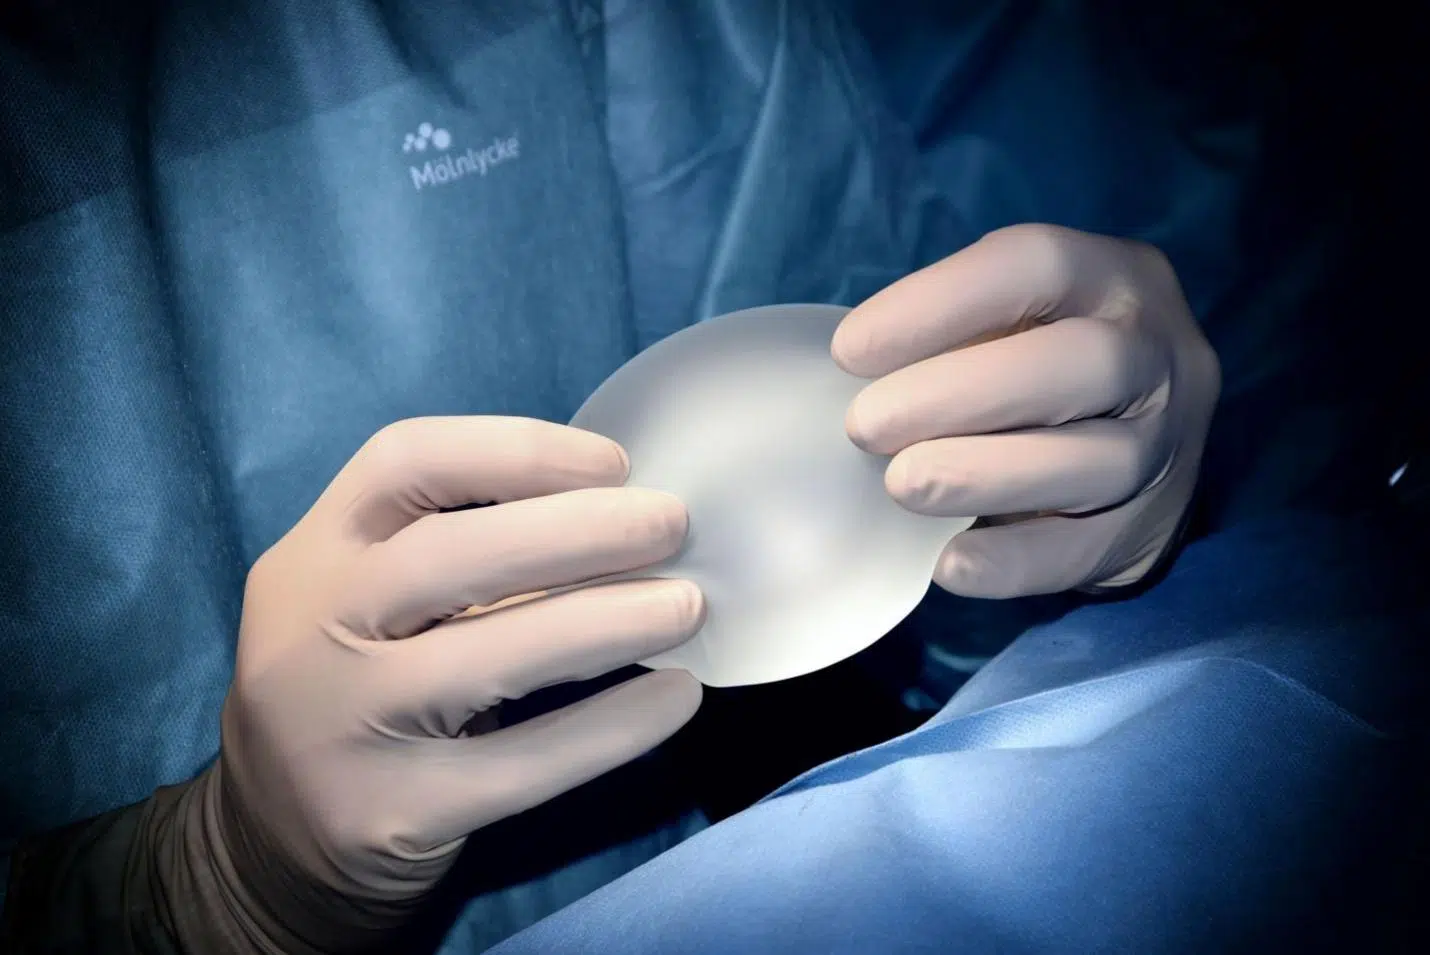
<point>1006,281</point>
<point>1053,374</point>
<point>422,465</point>
<point>1042,555</point>
<point>486,778</point>
<point>445,563</point>
<point>1083,466</point>
<point>435,682</point>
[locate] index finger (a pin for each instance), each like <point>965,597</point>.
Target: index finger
<point>999,285</point>
<point>422,465</point>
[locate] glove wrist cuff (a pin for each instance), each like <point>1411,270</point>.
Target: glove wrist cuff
<point>191,875</point>
<point>225,890</point>
<point>196,874</point>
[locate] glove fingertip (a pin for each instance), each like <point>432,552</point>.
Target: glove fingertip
<point>677,694</point>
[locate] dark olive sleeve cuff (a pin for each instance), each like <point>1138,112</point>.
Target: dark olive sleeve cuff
<point>85,888</point>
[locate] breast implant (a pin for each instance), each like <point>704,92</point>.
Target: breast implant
<point>803,557</point>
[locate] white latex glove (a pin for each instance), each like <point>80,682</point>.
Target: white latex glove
<point>347,783</point>
<point>1051,379</point>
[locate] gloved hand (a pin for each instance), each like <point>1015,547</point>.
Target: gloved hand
<point>1051,379</point>
<point>347,782</point>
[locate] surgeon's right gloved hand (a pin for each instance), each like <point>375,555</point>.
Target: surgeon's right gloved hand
<point>349,776</point>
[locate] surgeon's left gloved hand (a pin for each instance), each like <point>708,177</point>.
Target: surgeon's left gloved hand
<point>1051,380</point>
<point>376,637</point>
